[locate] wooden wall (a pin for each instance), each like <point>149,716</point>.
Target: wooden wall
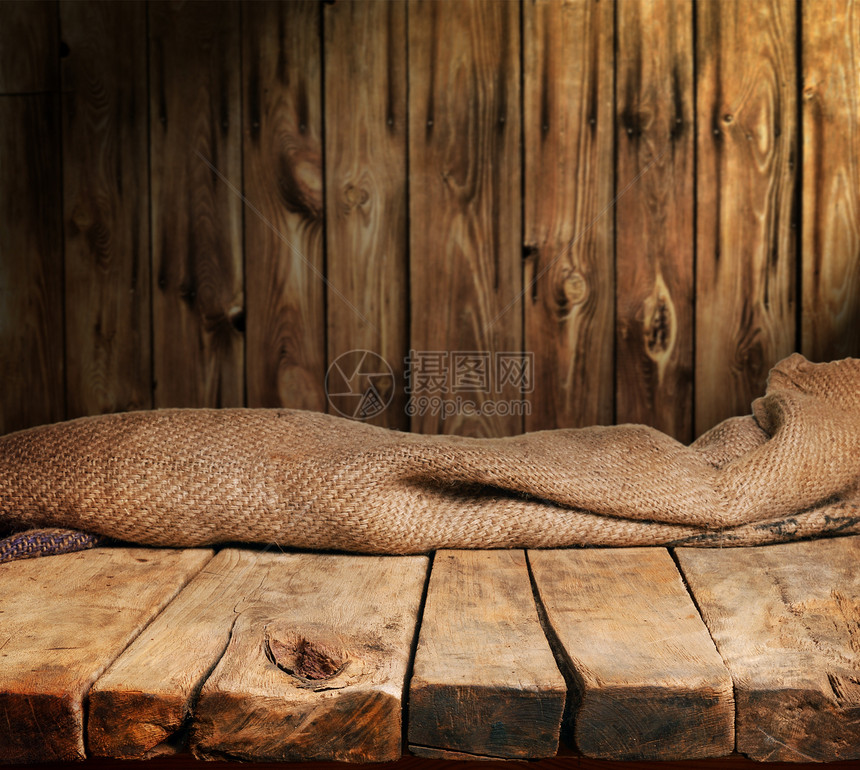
<point>205,204</point>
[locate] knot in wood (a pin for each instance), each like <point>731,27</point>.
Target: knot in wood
<point>82,218</point>
<point>307,660</point>
<point>355,196</point>
<point>575,288</point>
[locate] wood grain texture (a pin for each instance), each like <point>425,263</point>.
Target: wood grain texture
<point>647,680</point>
<point>484,683</point>
<point>654,217</point>
<point>565,761</point>
<point>366,209</point>
<point>29,49</point>
<point>142,703</point>
<point>62,624</point>
<point>786,619</point>
<point>746,201</point>
<point>316,663</point>
<point>196,154</point>
<point>569,173</point>
<point>831,179</point>
<point>106,208</point>
<point>31,263</point>
<point>465,205</point>
<point>283,171</point>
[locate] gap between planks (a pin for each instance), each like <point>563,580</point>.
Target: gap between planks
<point>645,678</point>
<point>298,679</point>
<point>116,590</point>
<point>769,740</point>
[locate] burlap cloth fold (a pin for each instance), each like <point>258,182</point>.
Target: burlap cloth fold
<point>187,477</point>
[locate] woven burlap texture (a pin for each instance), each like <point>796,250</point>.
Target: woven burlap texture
<point>188,477</point>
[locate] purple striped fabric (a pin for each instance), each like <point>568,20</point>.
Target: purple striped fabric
<point>46,542</point>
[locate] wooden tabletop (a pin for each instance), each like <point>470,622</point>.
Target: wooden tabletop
<point>579,657</point>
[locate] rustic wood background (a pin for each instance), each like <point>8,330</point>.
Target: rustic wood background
<point>204,204</point>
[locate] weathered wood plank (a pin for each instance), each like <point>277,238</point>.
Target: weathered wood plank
<point>64,619</point>
<point>284,263</point>
<point>196,153</point>
<point>31,263</point>
<point>29,49</point>
<point>106,208</point>
<point>366,210</point>
<point>569,270</point>
<point>746,200</point>
<point>316,663</point>
<point>654,217</point>
<point>484,680</point>
<point>465,212</point>
<point>786,619</point>
<point>141,704</point>
<point>831,179</point>
<point>647,680</point>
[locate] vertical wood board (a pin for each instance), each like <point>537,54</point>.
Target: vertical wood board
<point>747,158</point>
<point>106,208</point>
<point>283,173</point>
<point>568,289</point>
<point>654,216</point>
<point>29,49</point>
<point>465,214</point>
<point>31,263</point>
<point>196,154</point>
<point>830,102</point>
<point>366,206</point>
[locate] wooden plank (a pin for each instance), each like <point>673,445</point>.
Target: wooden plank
<point>284,264</point>
<point>786,619</point>
<point>31,263</point>
<point>746,200</point>
<point>64,619</point>
<point>29,49</point>
<point>141,704</point>
<point>106,208</point>
<point>831,180</point>
<point>569,175</point>
<point>654,217</point>
<point>465,212</point>
<point>316,663</point>
<point>366,210</point>
<point>485,682</point>
<point>647,680</point>
<point>196,153</point>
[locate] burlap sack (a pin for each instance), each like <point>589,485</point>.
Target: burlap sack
<point>187,477</point>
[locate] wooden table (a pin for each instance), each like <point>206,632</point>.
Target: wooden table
<point>580,655</point>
